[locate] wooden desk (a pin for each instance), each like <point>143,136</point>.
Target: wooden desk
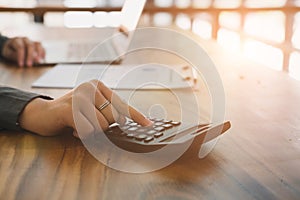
<point>258,159</point>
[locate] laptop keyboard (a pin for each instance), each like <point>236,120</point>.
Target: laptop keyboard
<point>90,51</point>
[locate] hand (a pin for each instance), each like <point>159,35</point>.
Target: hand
<point>53,117</point>
<point>23,51</point>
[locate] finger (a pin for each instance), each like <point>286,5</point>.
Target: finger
<point>122,119</point>
<point>30,51</point>
<point>109,112</point>
<point>9,53</point>
<point>17,45</point>
<point>40,52</point>
<point>75,134</point>
<point>121,106</point>
<point>84,102</point>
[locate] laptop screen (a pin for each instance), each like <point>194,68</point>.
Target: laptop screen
<point>130,15</point>
<point>131,12</point>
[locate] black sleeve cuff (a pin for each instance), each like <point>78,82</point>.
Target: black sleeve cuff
<point>3,39</point>
<point>12,103</point>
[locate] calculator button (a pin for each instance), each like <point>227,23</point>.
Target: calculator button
<point>148,139</point>
<point>132,128</point>
<point>167,126</point>
<point>159,128</point>
<point>167,121</point>
<point>157,120</point>
<point>125,127</point>
<point>159,134</point>
<point>140,137</point>
<point>175,123</point>
<point>151,132</point>
<point>130,135</point>
<point>133,124</point>
<point>141,130</point>
<point>158,123</point>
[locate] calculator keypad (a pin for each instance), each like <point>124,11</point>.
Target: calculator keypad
<point>139,134</point>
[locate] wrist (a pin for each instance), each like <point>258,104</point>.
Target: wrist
<point>33,116</point>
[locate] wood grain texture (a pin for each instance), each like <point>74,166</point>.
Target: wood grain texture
<point>259,158</point>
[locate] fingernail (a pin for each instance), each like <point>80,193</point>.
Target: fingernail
<point>21,64</point>
<point>149,122</point>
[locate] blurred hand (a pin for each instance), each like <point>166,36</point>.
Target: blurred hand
<point>23,51</point>
<point>81,105</point>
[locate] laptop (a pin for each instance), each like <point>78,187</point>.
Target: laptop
<point>107,52</point>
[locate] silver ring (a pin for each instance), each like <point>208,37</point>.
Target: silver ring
<point>104,105</point>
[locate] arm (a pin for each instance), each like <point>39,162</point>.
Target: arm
<point>21,50</point>
<point>77,109</point>
<point>12,103</point>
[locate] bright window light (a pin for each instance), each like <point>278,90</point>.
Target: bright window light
<point>182,3</point>
<point>231,20</point>
<point>297,3</point>
<point>201,3</point>
<point>114,18</point>
<point>18,3</point>
<point>163,3</point>
<point>78,19</point>
<point>266,25</point>
<point>264,3</point>
<point>16,18</point>
<point>294,68</point>
<point>82,4</point>
<point>114,3</point>
<point>229,40</point>
<point>264,54</point>
<point>203,28</point>
<point>227,3</point>
<point>162,19</point>
<point>296,35</point>
<point>54,19</point>
<point>183,21</point>
<point>101,19</point>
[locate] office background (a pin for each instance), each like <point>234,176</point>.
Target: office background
<point>264,31</point>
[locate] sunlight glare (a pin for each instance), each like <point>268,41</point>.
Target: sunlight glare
<point>182,3</point>
<point>201,3</point>
<point>227,3</point>
<point>231,20</point>
<point>82,4</point>
<point>78,19</point>
<point>294,68</point>
<point>162,19</point>
<point>296,34</point>
<point>101,19</point>
<point>230,40</point>
<point>203,28</point>
<point>266,25</point>
<point>183,21</point>
<point>264,3</point>
<point>163,3</point>
<point>264,54</point>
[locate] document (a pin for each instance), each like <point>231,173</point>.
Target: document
<point>144,76</point>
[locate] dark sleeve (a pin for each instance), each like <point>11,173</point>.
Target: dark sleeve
<point>12,103</point>
<point>3,39</point>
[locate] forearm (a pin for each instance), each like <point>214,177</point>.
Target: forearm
<point>40,116</point>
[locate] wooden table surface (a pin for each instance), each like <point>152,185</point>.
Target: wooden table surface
<point>259,158</point>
